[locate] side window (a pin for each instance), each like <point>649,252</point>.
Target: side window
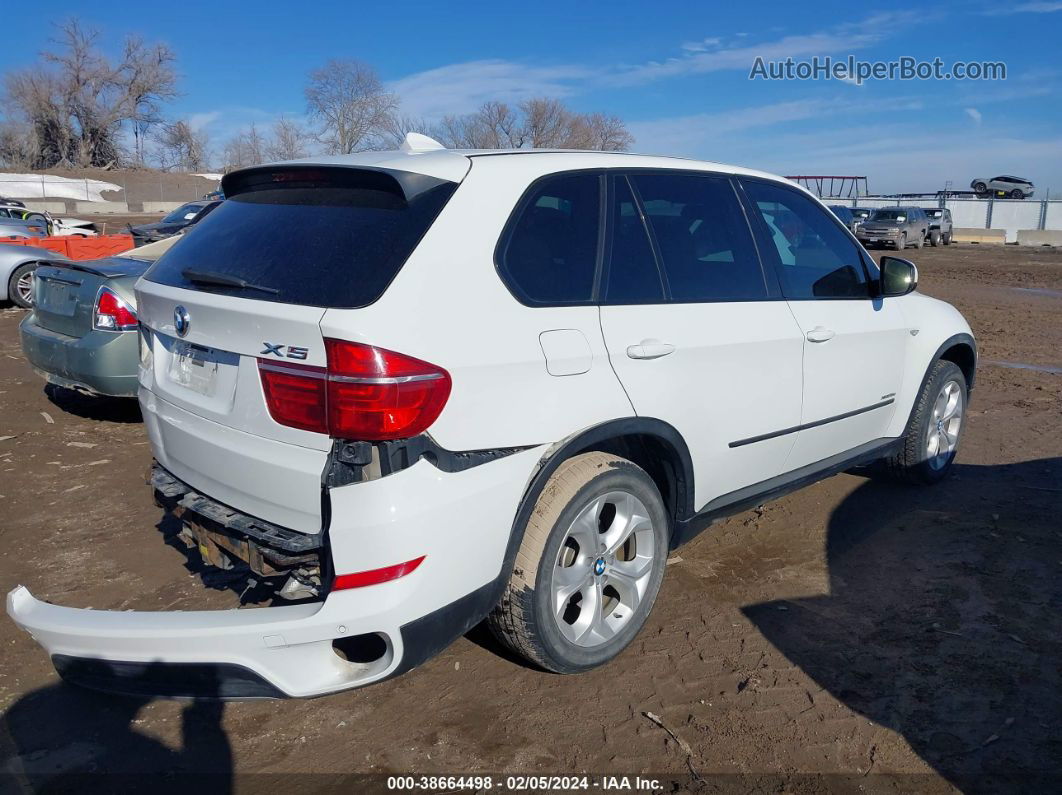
<point>633,277</point>
<point>816,258</point>
<point>704,241</point>
<point>550,254</point>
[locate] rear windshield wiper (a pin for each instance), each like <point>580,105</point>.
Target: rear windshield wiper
<point>224,280</point>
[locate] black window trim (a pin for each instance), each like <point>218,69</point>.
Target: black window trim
<point>761,232</point>
<point>510,226</point>
<point>607,177</point>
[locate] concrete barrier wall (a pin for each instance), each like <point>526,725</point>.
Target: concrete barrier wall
<point>1039,237</point>
<point>107,208</point>
<point>54,206</point>
<point>975,235</point>
<point>161,207</point>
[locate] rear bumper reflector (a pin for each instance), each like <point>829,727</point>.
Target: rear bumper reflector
<point>375,576</point>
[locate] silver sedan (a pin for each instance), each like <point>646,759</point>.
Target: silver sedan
<point>17,264</point>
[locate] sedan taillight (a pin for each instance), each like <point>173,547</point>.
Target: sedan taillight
<point>365,393</point>
<point>111,313</point>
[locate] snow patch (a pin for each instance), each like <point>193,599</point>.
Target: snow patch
<point>215,177</point>
<point>49,186</point>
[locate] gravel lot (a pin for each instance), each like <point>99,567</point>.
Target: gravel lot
<point>856,635</point>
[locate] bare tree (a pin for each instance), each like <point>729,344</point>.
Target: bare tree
<point>289,141</point>
<point>180,148</point>
<point>77,99</point>
<point>542,123</point>
<point>18,145</point>
<point>397,125</point>
<point>346,98</point>
<point>246,148</point>
<point>599,131</point>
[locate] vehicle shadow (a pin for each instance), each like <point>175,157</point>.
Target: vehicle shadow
<point>943,621</point>
<point>64,738</point>
<point>94,407</point>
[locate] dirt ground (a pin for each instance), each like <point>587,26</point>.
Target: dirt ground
<point>855,636</point>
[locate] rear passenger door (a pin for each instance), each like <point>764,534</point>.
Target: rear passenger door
<point>695,331</point>
<point>854,342</point>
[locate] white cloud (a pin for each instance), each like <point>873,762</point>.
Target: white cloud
<point>198,121</point>
<point>974,114</point>
<point>844,38</point>
<point>704,44</point>
<point>1047,7</point>
<point>463,87</point>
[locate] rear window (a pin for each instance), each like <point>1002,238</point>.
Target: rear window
<point>329,238</point>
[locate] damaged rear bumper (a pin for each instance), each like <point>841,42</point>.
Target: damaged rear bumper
<point>458,523</point>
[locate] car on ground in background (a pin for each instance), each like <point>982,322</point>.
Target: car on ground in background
<point>53,226</point>
<point>862,213</point>
<point>12,202</point>
<point>184,216</point>
<point>846,216</point>
<point>940,226</point>
<point>82,331</point>
<point>17,227</point>
<point>1006,186</point>
<point>421,388</point>
<point>895,227</point>
<point>17,264</point>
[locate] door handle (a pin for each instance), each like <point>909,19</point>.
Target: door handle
<point>650,349</point>
<point>820,334</point>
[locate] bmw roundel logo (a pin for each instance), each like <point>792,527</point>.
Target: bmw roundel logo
<point>599,566</point>
<point>181,321</point>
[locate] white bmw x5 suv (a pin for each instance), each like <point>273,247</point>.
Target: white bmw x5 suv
<point>423,388</point>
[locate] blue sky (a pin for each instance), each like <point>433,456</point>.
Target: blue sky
<point>676,72</point>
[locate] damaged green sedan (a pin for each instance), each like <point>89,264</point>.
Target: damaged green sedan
<point>82,330</point>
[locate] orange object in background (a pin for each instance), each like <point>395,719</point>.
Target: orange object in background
<point>77,248</point>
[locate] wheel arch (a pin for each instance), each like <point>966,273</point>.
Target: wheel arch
<point>961,350</point>
<point>654,445</point>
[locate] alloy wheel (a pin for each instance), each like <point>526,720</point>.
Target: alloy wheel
<point>942,435</point>
<point>603,568</point>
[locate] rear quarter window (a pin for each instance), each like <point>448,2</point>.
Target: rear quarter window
<point>335,238</point>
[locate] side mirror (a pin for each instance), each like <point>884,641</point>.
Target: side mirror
<point>898,276</point>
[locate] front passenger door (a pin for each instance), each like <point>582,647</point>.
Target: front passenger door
<point>854,343</point>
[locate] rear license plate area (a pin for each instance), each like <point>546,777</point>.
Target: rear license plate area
<point>195,368</point>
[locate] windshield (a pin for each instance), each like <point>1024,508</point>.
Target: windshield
<point>889,215</point>
<point>335,242</point>
<point>181,212</point>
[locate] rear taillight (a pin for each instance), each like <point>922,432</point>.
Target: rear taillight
<point>111,313</point>
<point>365,393</point>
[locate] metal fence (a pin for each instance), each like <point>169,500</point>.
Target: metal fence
<point>1007,214</point>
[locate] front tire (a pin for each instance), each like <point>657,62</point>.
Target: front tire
<point>934,238</point>
<point>932,436</point>
<point>901,242</point>
<point>589,567</point>
<point>980,188</point>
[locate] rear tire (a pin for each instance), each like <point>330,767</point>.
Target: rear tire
<point>589,567</point>
<point>920,240</point>
<point>20,285</point>
<point>932,438</point>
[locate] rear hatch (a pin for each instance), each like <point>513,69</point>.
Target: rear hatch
<point>251,282</point>
<point>65,295</point>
